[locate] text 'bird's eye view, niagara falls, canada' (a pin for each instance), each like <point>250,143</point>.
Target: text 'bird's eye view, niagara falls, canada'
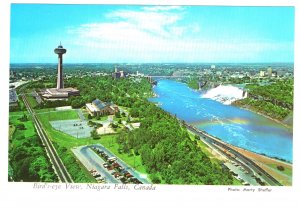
<point>141,96</point>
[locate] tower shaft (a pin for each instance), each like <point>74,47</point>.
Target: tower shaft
<point>60,80</point>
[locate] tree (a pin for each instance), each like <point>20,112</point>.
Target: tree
<point>95,135</point>
<point>155,178</point>
<point>117,114</point>
<point>21,126</point>
<point>281,168</point>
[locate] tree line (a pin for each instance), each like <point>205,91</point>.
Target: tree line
<point>167,151</point>
<point>274,100</point>
<point>27,156</point>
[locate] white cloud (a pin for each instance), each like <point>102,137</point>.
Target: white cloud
<point>148,21</point>
<point>155,34</point>
<point>163,8</point>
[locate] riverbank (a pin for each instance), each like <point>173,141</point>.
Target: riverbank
<point>248,108</point>
<point>270,165</point>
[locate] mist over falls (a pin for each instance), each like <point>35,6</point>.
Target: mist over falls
<point>225,94</point>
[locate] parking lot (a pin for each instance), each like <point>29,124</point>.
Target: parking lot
<point>94,164</point>
<point>114,167</point>
<point>105,167</point>
<point>241,174</point>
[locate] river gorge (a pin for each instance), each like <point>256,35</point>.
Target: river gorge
<point>232,124</point>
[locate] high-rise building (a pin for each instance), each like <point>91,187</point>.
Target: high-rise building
<point>269,71</point>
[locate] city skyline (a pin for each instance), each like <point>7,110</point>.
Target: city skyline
<point>152,34</point>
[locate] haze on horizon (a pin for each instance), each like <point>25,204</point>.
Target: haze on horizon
<point>151,34</point>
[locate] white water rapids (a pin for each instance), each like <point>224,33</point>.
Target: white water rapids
<point>225,94</point>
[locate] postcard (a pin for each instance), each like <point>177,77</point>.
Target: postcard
<point>145,98</point>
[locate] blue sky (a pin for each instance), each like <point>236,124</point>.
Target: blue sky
<point>111,33</point>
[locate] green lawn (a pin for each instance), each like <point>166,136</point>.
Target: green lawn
<point>33,103</point>
<point>85,114</point>
<point>17,114</point>
<point>286,171</point>
<point>109,141</point>
<point>51,115</point>
<point>102,118</point>
<point>44,110</point>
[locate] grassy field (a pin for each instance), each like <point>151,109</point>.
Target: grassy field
<point>33,103</point>
<point>109,141</point>
<point>51,115</point>
<point>102,118</point>
<point>44,110</point>
<point>287,170</point>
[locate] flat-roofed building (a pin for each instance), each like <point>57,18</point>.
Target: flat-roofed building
<point>57,94</point>
<point>13,97</point>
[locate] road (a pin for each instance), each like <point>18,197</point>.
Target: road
<point>58,165</point>
<point>246,162</point>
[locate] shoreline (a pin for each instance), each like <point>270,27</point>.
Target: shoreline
<point>261,154</point>
<point>268,164</point>
<point>266,116</point>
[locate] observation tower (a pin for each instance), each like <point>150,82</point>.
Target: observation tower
<point>60,51</point>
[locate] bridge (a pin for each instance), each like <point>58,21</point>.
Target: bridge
<point>153,79</point>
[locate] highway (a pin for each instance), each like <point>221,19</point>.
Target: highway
<point>247,163</point>
<point>58,166</point>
